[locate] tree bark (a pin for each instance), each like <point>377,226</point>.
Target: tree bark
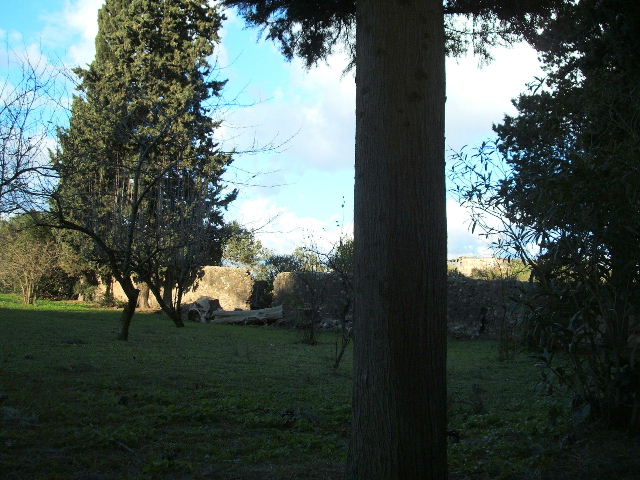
<point>399,399</point>
<point>144,296</point>
<point>167,289</point>
<point>108,287</point>
<point>130,308</point>
<point>622,276</point>
<point>164,299</point>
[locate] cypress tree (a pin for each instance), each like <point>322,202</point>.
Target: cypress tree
<point>139,167</point>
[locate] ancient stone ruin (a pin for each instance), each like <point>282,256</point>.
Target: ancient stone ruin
<point>228,295</point>
<point>322,294</point>
<point>232,287</point>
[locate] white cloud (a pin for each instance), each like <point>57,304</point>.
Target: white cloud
<point>314,115</point>
<point>281,230</point>
<point>78,20</point>
<point>328,122</point>
<point>477,98</point>
<point>318,107</point>
<point>9,38</point>
<point>460,239</point>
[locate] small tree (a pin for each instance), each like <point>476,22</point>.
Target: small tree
<point>340,262</point>
<point>243,250</point>
<point>312,290</point>
<point>29,257</point>
<point>326,277</point>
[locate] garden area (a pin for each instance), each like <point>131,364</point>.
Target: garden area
<point>238,402</point>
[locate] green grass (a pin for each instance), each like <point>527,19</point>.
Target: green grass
<point>223,402</point>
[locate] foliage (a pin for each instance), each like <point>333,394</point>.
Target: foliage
<point>30,260</point>
<point>139,167</point>
<point>242,249</point>
<point>279,263</point>
<point>341,257</point>
<point>162,406</point>
<point>313,31</point>
<point>310,260</point>
<point>511,269</point>
<point>310,31</point>
<point>565,175</point>
<point>76,254</point>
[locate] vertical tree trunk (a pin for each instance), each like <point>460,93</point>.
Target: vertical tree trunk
<point>130,308</point>
<point>144,296</point>
<point>176,318</point>
<point>622,276</point>
<point>167,289</point>
<point>399,400</point>
<point>108,287</point>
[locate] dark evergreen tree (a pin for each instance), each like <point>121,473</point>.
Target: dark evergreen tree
<point>574,146</point>
<point>139,167</point>
<point>399,403</point>
<point>573,188</point>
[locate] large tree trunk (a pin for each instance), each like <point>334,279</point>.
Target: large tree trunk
<point>399,399</point>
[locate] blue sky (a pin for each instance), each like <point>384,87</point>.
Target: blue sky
<point>307,117</point>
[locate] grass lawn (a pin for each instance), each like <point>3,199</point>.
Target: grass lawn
<point>228,402</point>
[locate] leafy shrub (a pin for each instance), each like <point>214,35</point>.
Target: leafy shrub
<point>599,360</point>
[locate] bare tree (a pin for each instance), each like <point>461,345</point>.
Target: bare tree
<point>27,108</point>
<point>28,256</point>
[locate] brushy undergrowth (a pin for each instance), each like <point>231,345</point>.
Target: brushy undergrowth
<point>222,402</point>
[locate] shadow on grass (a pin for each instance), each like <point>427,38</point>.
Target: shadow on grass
<point>230,402</point>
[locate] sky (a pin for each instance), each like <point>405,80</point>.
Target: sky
<point>294,128</point>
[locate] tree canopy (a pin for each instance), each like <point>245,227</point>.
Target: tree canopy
<point>313,30</point>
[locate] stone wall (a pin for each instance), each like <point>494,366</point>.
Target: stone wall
<point>477,307</point>
<point>468,265</point>
<point>319,291</point>
<point>234,287</point>
<point>474,306</point>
